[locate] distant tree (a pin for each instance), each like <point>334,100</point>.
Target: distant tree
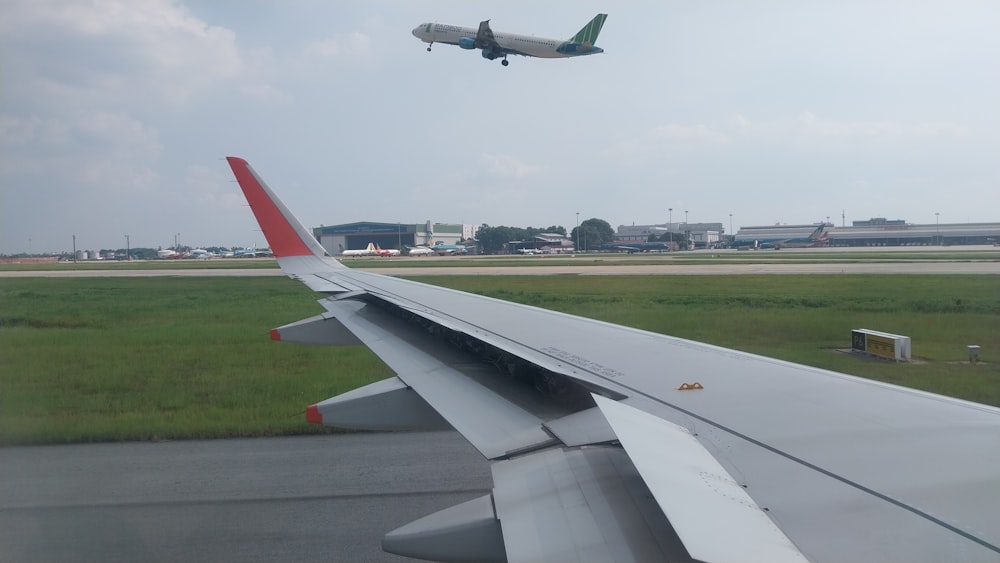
<point>493,239</point>
<point>592,233</point>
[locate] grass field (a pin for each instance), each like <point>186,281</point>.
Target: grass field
<point>94,359</point>
<point>935,254</point>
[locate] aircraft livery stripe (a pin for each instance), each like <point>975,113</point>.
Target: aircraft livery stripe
<point>278,228</point>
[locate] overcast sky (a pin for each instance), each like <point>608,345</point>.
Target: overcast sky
<point>115,116</point>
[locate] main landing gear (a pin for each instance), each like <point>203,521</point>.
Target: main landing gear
<point>505,62</point>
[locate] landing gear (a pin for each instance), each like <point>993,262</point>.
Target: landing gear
<point>505,62</point>
<point>429,47</point>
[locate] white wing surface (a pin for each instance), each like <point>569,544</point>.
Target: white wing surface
<point>602,454</point>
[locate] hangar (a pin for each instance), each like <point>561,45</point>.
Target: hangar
<point>893,233</point>
<point>356,236</point>
<point>880,231</point>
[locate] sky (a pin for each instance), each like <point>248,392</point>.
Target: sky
<point>116,116</point>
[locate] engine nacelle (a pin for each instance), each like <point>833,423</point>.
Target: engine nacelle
<point>489,54</point>
<point>467,43</point>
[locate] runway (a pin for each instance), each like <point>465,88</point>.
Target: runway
<point>304,498</point>
<point>667,269</point>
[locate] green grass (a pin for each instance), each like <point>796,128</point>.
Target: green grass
<point>161,358</point>
<point>107,265</point>
<point>93,359</point>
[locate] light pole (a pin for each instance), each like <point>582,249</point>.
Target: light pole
<point>128,249</point>
<point>578,231</point>
<point>74,248</point>
<point>687,232</point>
<point>670,221</point>
<point>937,228</point>
<point>175,241</point>
<point>399,236</point>
<point>732,235</point>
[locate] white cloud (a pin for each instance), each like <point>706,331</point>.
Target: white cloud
<point>506,166</point>
<point>688,134</point>
<point>939,129</point>
<point>354,45</point>
<point>809,124</point>
<point>126,50</point>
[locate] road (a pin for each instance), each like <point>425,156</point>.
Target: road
<point>304,498</point>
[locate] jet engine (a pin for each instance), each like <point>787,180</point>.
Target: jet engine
<point>467,43</point>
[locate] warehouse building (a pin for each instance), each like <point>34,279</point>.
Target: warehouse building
<point>356,236</point>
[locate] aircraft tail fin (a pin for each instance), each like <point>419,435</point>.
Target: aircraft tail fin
<point>286,236</point>
<point>588,35</point>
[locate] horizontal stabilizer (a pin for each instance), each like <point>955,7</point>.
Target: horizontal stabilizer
<point>466,532</point>
<point>384,405</point>
<point>695,492</point>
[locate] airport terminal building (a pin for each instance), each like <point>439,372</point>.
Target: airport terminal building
<point>877,231</point>
<point>356,236</point>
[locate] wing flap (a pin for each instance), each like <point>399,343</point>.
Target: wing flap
<point>495,426</point>
<point>585,504</point>
<point>714,517</point>
<point>549,360</point>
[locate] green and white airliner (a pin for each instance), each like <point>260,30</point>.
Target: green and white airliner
<point>497,45</point>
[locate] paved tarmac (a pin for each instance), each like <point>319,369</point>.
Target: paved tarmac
<point>304,498</point>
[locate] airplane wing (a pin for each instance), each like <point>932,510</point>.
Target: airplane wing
<point>484,37</point>
<point>615,444</point>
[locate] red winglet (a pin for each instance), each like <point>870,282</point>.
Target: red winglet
<point>313,415</point>
<point>278,228</point>
<point>275,335</point>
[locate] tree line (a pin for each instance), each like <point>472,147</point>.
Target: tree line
<point>591,234</point>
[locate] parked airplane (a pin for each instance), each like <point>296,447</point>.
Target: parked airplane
<point>200,253</point>
<point>449,249</point>
<point>168,253</point>
<point>817,238</point>
<point>420,251</point>
<point>379,251</point>
<point>636,246</point>
<point>613,443</point>
<point>366,251</point>
<point>499,44</point>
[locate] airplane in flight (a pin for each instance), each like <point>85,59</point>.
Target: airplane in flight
<point>496,45</point>
<point>366,251</point>
<point>614,443</point>
<point>816,239</point>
